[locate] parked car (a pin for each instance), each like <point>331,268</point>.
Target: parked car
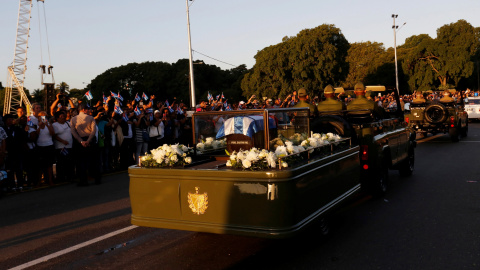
<point>472,107</point>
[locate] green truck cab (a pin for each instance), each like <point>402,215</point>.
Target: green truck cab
<point>438,116</point>
<point>276,202</point>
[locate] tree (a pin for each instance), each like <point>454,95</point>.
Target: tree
<point>364,59</point>
<point>446,59</point>
<point>312,59</point>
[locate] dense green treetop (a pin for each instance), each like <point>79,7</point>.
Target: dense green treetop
<point>312,59</point>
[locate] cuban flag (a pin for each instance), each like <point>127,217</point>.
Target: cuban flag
<point>166,103</point>
<point>209,96</point>
<point>223,97</point>
<point>225,104</point>
<point>88,95</point>
<point>137,111</point>
<point>137,98</point>
<point>238,125</point>
<point>228,108</point>
<point>144,96</point>
<point>179,110</point>
<point>125,117</point>
<point>149,110</point>
<point>104,98</point>
<point>29,122</point>
<point>64,151</point>
<point>218,96</point>
<point>117,110</point>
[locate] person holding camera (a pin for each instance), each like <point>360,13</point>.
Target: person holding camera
<point>58,106</point>
<point>45,148</point>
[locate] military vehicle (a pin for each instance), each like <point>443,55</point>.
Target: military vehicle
<point>439,116</point>
<point>209,196</point>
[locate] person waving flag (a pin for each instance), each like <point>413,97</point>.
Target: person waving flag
<point>88,95</point>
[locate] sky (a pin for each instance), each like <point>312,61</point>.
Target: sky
<point>88,37</point>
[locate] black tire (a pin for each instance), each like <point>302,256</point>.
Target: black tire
<point>464,131</point>
<point>436,113</point>
<point>453,132</point>
<point>408,165</point>
<point>334,124</point>
<point>377,184</point>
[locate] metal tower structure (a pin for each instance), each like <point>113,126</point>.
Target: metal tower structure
<point>14,93</point>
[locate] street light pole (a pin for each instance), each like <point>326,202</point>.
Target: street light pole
<point>192,85</point>
<point>395,27</point>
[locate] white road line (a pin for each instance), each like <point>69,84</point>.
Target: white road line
<point>70,249</point>
<point>430,138</point>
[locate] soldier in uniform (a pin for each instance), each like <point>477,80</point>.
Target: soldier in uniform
<point>419,99</point>
<point>330,104</point>
<point>302,97</point>
<point>362,103</point>
<point>446,98</point>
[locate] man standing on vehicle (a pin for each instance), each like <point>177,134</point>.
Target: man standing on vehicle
<point>362,103</point>
<point>330,104</point>
<point>302,97</point>
<point>83,128</point>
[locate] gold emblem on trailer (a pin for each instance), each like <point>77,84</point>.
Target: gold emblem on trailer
<point>198,202</point>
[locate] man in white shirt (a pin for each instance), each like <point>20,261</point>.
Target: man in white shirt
<point>83,129</point>
<point>63,141</point>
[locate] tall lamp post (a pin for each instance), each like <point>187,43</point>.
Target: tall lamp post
<point>395,27</point>
<point>395,30</point>
<point>192,85</point>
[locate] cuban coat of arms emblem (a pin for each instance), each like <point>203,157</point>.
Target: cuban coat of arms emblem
<point>198,202</point>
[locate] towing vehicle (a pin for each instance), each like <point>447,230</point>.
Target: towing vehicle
<point>438,116</point>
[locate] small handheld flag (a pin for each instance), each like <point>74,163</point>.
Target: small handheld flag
<point>145,96</point>
<point>117,110</point>
<point>88,95</point>
<point>125,117</point>
<point>137,98</point>
<point>64,151</point>
<point>137,111</point>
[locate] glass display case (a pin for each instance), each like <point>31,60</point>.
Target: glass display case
<point>244,129</point>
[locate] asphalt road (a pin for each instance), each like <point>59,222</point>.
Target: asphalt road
<point>430,220</point>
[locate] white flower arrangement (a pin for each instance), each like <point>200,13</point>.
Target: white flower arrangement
<point>167,156</point>
<point>253,159</point>
<point>211,144</point>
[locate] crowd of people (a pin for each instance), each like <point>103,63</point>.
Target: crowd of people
<point>84,140</point>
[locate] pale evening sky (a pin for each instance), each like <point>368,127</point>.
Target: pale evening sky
<point>88,37</point>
